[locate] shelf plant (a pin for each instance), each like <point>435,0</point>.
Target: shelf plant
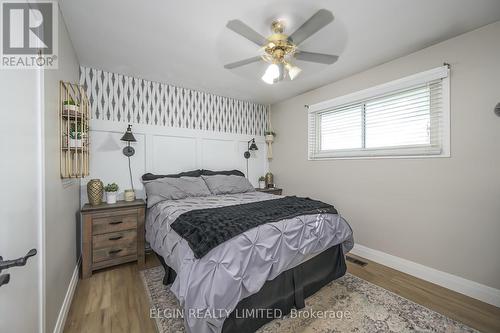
<point>76,134</point>
<point>266,133</point>
<point>70,105</point>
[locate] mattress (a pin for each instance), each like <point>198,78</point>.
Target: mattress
<point>209,288</point>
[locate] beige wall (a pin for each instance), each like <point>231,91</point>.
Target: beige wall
<point>440,212</point>
<point>61,197</point>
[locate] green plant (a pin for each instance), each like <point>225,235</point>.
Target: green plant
<point>76,130</point>
<point>262,179</point>
<point>70,102</point>
<point>270,133</point>
<point>113,187</point>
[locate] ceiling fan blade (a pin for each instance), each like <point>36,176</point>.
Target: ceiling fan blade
<point>242,62</point>
<point>247,32</point>
<point>315,23</point>
<point>316,57</point>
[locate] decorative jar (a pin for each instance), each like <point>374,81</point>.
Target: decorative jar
<point>94,191</point>
<point>129,195</point>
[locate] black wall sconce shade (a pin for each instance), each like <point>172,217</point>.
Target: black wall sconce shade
<point>128,137</point>
<point>251,146</point>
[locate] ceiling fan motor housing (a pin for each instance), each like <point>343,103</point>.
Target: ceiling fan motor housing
<point>279,47</point>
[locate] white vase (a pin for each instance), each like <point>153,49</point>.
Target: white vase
<point>75,143</point>
<point>111,197</point>
<point>71,107</point>
<point>262,184</point>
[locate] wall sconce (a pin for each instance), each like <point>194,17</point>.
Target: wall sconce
<point>129,137</point>
<point>251,146</point>
<point>129,151</point>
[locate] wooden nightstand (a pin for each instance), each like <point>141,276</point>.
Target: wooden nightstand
<point>112,234</point>
<point>273,190</point>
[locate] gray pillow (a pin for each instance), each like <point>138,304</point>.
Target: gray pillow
<point>228,184</point>
<point>174,188</point>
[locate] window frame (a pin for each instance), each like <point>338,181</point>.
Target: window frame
<point>366,95</point>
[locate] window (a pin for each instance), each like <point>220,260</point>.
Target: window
<point>403,118</point>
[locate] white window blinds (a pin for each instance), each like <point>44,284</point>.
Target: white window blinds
<point>407,117</point>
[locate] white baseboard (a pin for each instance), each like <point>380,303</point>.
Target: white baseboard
<point>63,313</point>
<point>467,287</point>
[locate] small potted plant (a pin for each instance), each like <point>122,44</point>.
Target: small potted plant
<point>269,136</point>
<point>262,182</point>
<point>111,190</point>
<point>70,105</point>
<point>75,136</point>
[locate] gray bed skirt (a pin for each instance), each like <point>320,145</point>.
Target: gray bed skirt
<point>285,292</point>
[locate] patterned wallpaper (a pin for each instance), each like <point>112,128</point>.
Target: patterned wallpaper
<point>124,98</point>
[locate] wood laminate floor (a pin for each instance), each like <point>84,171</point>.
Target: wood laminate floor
<point>114,299</point>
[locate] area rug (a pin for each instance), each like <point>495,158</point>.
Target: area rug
<point>349,304</point>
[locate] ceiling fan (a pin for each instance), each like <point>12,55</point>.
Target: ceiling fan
<point>279,49</point>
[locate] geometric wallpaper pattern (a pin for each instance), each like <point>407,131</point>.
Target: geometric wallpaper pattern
<point>122,98</point>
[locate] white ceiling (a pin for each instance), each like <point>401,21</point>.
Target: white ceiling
<point>185,43</point>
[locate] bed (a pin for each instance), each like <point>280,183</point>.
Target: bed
<point>273,265</point>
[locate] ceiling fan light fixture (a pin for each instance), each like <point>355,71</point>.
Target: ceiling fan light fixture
<point>279,48</point>
<point>272,74</point>
<point>292,70</point>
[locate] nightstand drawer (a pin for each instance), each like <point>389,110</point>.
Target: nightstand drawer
<point>121,238</point>
<point>102,225</point>
<point>113,252</point>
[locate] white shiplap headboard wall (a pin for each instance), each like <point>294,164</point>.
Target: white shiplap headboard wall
<point>176,130</point>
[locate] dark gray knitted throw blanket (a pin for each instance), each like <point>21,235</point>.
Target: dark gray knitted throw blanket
<point>204,229</point>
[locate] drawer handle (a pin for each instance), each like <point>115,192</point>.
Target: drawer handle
<point>115,251</point>
<point>116,222</point>
<point>115,238</point>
